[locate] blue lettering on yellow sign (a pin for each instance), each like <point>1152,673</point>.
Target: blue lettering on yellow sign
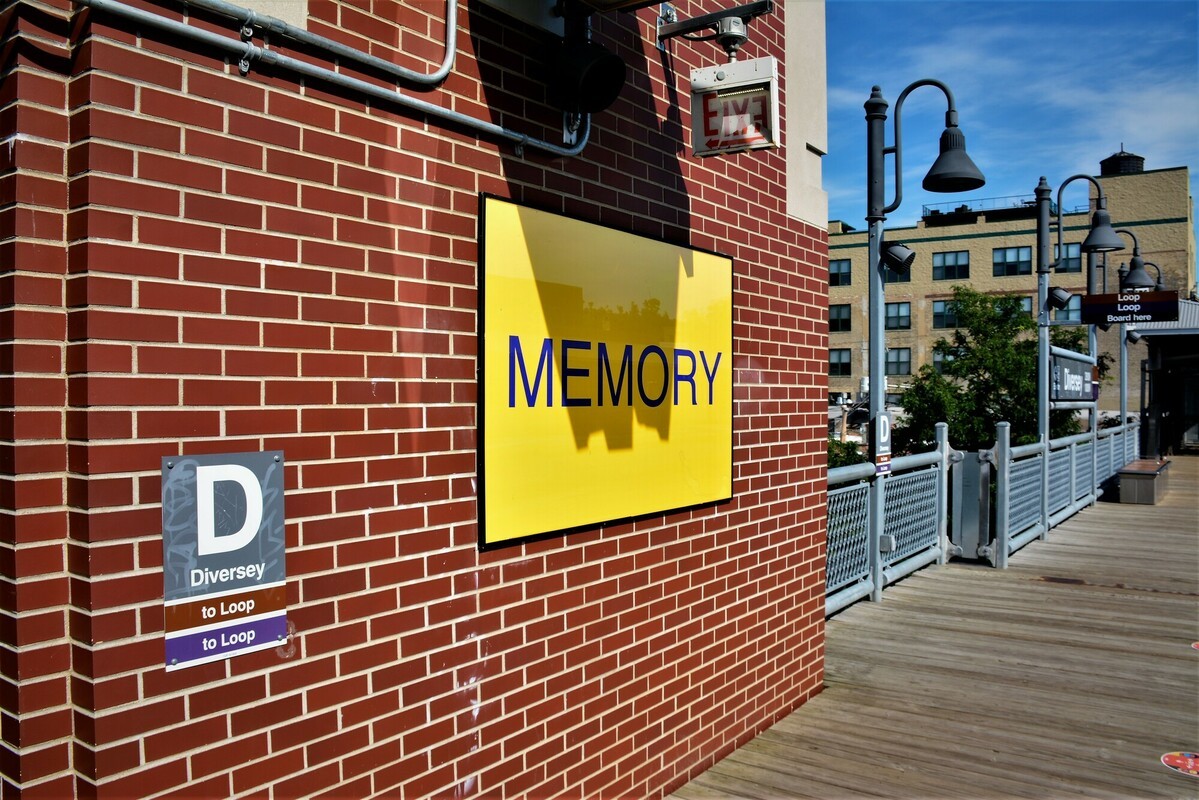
<point>614,376</point>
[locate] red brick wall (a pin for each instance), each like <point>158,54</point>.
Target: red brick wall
<point>209,263</point>
<point>35,645</point>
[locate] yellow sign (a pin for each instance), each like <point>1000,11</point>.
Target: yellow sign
<point>607,374</point>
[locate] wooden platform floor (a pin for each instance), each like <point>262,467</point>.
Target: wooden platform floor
<point>1067,675</point>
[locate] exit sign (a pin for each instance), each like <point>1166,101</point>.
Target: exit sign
<point>734,107</point>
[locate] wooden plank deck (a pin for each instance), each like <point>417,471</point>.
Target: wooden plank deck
<point>1067,675</point>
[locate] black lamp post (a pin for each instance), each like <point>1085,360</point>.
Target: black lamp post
<point>1101,239</point>
<point>952,171</point>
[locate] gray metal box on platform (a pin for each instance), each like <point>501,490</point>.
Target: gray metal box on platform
<point>970,521</point>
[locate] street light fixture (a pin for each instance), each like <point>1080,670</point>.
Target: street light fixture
<point>1123,270</point>
<point>952,171</point>
<point>1101,239</point>
<point>1137,279</point>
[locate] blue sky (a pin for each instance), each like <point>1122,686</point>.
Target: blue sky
<point>1042,88</point>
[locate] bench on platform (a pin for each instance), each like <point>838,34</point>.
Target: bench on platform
<point>1144,481</point>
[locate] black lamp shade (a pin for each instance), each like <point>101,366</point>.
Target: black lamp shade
<point>1137,277</point>
<point>953,171</point>
<point>1136,280</point>
<point>1101,239</point>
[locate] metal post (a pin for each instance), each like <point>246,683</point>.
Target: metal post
<point>1003,494</point>
<point>941,435</point>
<point>1123,376</point>
<point>1093,352</point>
<point>876,119</point>
<point>1043,194</point>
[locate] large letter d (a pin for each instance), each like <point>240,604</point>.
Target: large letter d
<point>206,480</point>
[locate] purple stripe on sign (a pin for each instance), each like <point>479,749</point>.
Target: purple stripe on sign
<point>226,640</point>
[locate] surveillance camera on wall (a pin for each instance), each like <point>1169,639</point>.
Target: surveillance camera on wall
<point>898,258</point>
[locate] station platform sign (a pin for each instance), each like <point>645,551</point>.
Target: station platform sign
<point>1129,307</point>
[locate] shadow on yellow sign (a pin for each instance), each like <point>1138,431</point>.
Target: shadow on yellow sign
<point>607,367</point>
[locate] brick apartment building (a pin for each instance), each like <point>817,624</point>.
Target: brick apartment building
<point>230,273</point>
<point>990,245</point>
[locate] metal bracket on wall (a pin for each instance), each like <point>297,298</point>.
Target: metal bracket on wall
<point>667,15</point>
<point>243,65</point>
<point>572,122</point>
<point>728,27</point>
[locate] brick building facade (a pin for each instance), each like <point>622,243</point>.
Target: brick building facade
<point>199,262</point>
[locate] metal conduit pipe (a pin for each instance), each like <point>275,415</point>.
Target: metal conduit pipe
<point>251,18</point>
<point>249,52</point>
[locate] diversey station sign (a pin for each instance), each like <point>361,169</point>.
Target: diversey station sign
<point>224,576</point>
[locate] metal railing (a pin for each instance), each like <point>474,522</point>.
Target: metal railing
<point>1078,467</point>
<point>914,494</point>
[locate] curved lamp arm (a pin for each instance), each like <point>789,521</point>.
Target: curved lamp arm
<point>1100,205</point>
<point>1101,238</point>
<point>877,150</point>
<point>951,121</point>
<point>1136,245</point>
<point>1160,283</point>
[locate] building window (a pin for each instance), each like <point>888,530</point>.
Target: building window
<point>1072,312</point>
<point>891,276</point>
<point>1073,260</point>
<point>899,361</point>
<point>838,362</point>
<point>940,360</point>
<point>945,314</point>
<point>899,316</point>
<point>839,272</point>
<point>838,318</point>
<point>951,266</point>
<point>1008,261</point>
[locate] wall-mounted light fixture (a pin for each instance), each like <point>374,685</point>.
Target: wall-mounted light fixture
<point>585,77</point>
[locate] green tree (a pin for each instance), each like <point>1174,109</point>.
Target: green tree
<point>988,375</point>
<point>843,454</point>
